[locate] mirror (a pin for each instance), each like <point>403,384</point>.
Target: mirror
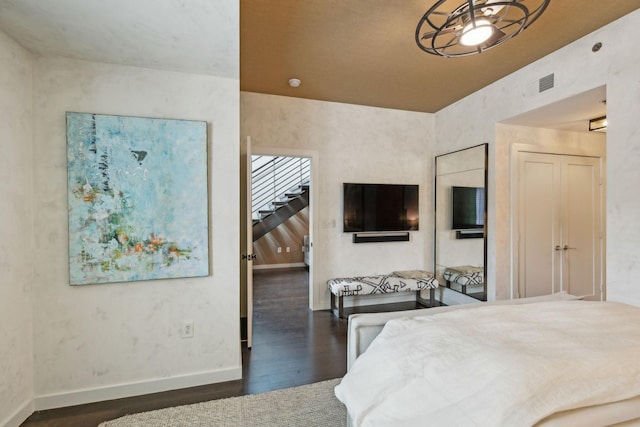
<point>460,221</point>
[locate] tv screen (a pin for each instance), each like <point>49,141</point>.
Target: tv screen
<point>467,208</point>
<point>380,207</point>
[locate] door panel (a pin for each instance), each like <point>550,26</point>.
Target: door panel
<point>581,232</point>
<point>559,220</point>
<point>249,248</point>
<point>539,225</point>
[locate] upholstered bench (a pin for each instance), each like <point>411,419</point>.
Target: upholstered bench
<point>464,276</point>
<point>378,285</point>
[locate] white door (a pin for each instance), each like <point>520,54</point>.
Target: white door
<point>248,255</point>
<point>581,254</point>
<point>538,224</point>
<point>558,225</point>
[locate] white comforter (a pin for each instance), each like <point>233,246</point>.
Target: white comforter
<point>509,365</point>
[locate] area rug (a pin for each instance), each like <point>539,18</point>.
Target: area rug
<point>312,405</point>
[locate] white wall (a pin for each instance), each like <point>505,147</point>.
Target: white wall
<point>97,342</point>
<point>354,144</point>
<point>577,69</point>
<point>16,233</point>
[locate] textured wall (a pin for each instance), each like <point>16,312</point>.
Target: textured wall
<point>289,234</point>
<point>16,232</point>
<point>353,144</point>
<point>105,338</point>
<point>577,69</point>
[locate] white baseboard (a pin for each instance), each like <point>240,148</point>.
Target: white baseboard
<point>19,416</point>
<point>80,397</point>
<point>270,266</point>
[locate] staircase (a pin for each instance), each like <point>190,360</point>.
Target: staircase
<point>280,189</point>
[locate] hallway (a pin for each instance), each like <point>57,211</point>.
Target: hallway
<point>292,345</point>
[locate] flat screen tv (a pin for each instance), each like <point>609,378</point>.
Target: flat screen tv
<point>467,207</point>
<point>380,207</point>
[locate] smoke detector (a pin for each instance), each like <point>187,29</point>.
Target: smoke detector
<point>294,82</point>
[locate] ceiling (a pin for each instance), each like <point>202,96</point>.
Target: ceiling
<point>352,51</point>
<point>192,36</point>
<point>570,114</point>
<point>364,52</point>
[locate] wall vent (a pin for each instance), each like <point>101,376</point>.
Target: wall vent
<point>546,83</point>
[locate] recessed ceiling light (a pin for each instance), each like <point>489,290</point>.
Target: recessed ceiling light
<point>294,82</point>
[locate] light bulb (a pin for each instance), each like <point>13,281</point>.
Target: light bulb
<point>473,35</point>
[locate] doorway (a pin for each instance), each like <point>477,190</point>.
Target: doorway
<point>559,225</point>
<point>278,232</point>
<point>280,187</point>
<point>559,128</point>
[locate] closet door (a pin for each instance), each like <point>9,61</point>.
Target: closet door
<point>581,226</point>
<point>539,224</point>
<point>559,225</point>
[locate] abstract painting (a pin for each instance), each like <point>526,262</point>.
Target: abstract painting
<point>138,198</point>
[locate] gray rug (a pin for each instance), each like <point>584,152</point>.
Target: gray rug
<point>312,405</point>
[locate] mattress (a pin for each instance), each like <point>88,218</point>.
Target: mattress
<point>591,382</point>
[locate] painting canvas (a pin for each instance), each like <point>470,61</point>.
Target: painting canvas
<point>138,198</point>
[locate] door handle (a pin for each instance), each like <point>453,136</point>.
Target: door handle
<point>558,248</point>
<point>566,248</point>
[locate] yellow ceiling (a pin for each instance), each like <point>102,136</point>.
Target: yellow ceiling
<point>363,51</point>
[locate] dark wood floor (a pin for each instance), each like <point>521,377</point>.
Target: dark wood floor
<point>292,345</point>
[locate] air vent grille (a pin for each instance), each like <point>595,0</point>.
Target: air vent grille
<point>546,83</point>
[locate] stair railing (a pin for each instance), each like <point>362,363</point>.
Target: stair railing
<point>274,177</point>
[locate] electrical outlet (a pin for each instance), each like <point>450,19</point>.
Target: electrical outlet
<point>186,329</point>
<point>279,250</point>
<point>288,249</point>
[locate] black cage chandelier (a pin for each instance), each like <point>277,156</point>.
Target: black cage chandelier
<point>452,29</point>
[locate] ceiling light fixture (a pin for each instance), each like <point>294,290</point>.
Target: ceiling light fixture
<point>476,33</point>
<point>452,29</point>
<point>598,124</point>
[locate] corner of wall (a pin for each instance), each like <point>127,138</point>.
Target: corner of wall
<point>20,415</point>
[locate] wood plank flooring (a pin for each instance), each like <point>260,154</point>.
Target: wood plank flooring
<point>292,346</point>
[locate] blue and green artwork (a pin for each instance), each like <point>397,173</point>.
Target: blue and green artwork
<point>138,198</point>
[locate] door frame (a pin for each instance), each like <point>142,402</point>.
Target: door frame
<point>313,197</point>
<point>585,151</point>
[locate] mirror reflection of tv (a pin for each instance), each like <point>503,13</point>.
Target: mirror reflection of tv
<point>380,207</point>
<point>467,207</point>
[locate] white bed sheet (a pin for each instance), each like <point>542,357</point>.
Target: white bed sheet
<point>496,365</point>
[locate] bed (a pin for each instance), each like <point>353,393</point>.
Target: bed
<point>552,361</point>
